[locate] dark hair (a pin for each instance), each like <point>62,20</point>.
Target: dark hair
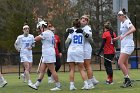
<point>124,11</point>
<point>76,23</point>
<point>108,26</point>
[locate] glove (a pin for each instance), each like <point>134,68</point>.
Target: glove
<point>79,31</point>
<point>69,30</point>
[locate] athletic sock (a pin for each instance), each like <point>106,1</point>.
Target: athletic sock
<point>38,82</point>
<point>2,78</point>
<point>85,82</point>
<point>57,84</point>
<point>29,81</point>
<point>127,76</point>
<point>71,83</point>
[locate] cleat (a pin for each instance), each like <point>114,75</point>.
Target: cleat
<point>72,87</point>
<point>85,87</point>
<point>3,83</point>
<point>55,89</point>
<point>91,86</point>
<point>94,81</point>
<point>32,86</point>
<point>127,83</point>
<point>109,82</point>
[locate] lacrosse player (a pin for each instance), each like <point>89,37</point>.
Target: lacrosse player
<point>127,45</point>
<point>108,50</point>
<point>75,54</point>
<point>24,44</point>
<point>58,54</point>
<point>48,55</point>
<point>88,49</point>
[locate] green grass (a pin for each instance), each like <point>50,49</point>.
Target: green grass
<point>16,85</point>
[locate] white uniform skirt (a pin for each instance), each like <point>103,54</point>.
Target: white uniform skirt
<point>75,56</point>
<point>87,53</point>
<point>25,58</point>
<point>48,56</point>
<point>127,49</point>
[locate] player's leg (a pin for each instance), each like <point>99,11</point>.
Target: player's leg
<point>126,65</point>
<point>71,75</point>
<point>27,70</point>
<point>23,75</point>
<point>42,70</point>
<point>57,67</point>
<point>123,59</point>
<point>50,78</point>
<point>83,75</point>
<point>57,63</point>
<point>91,78</point>
<point>3,82</point>
<point>108,67</point>
<point>51,67</point>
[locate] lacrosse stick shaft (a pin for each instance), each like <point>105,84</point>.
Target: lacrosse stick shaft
<point>106,59</point>
<point>39,64</point>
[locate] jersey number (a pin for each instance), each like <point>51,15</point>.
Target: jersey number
<point>77,39</point>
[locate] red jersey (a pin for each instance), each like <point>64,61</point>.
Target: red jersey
<point>108,47</point>
<point>57,43</point>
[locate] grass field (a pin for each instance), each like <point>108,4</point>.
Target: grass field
<point>16,85</point>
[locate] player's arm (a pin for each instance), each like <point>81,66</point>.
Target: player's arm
<point>38,38</point>
<point>88,34</point>
<point>67,43</point>
<point>102,46</point>
<point>17,44</point>
<point>32,45</point>
<point>33,42</point>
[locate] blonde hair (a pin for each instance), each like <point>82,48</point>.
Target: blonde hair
<point>86,17</point>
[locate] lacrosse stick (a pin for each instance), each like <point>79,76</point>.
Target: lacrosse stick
<point>106,58</point>
<point>39,64</point>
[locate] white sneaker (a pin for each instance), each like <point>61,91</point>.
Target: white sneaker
<point>94,81</point>
<point>91,86</point>
<point>55,89</point>
<point>24,78</point>
<point>85,87</point>
<point>33,86</point>
<point>3,83</point>
<point>72,87</point>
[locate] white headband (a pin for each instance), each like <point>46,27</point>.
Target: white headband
<point>26,26</point>
<point>120,13</point>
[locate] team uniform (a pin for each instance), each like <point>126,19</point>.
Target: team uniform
<point>127,43</point>
<point>48,51</point>
<point>58,58</point>
<point>109,46</point>
<point>75,50</point>
<point>22,44</point>
<point>109,52</point>
<point>87,46</point>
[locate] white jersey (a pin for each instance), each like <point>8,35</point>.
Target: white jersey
<point>23,43</point>
<point>48,51</point>
<point>87,46</point>
<point>124,28</point>
<point>75,51</point>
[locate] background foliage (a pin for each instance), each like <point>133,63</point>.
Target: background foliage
<point>14,13</point>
